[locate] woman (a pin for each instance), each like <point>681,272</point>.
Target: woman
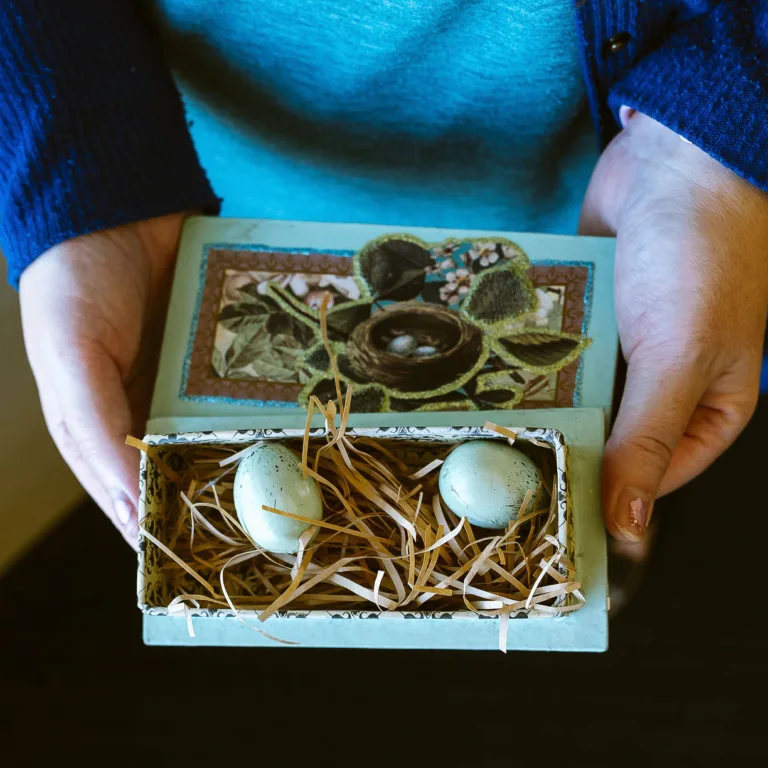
<point>466,113</point>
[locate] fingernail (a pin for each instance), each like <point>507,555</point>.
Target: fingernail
<point>123,510</point>
<point>632,513</point>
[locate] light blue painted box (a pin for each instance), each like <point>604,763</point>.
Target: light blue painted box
<point>210,391</point>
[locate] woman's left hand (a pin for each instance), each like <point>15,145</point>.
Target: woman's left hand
<point>691,295</point>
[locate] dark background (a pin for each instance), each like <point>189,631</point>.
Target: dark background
<point>684,682</point>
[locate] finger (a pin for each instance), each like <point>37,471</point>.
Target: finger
<point>722,414</point>
<point>659,398</point>
<point>88,415</point>
<point>708,435</point>
<point>70,450</point>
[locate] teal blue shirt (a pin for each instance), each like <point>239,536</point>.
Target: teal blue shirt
<point>451,113</point>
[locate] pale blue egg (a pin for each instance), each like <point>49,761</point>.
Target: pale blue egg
<point>402,345</point>
<point>486,481</point>
<point>270,475</point>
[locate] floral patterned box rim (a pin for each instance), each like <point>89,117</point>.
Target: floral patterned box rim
<point>152,484</point>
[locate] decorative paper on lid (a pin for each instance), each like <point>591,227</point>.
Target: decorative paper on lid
<point>420,320</point>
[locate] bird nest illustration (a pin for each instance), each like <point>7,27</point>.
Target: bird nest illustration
<point>416,327</point>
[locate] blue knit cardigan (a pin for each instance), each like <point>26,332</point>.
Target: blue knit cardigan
<point>93,132</point>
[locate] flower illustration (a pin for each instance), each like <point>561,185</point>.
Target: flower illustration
<point>546,302</point>
<point>457,285</point>
<point>347,287</point>
<point>485,256</point>
<point>445,250</point>
<point>487,253</point>
<point>310,289</point>
<point>315,299</point>
<point>301,285</point>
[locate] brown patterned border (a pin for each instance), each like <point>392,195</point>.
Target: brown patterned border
<point>203,382</point>
<point>574,278</point>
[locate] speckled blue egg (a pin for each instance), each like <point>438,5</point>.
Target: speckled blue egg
<point>270,475</point>
<point>486,481</point>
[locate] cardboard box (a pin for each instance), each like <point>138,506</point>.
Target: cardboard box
<point>199,404</point>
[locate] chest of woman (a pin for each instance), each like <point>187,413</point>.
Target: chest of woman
<point>483,68</point>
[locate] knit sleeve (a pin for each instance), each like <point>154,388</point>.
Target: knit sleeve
<point>709,83</point>
<point>92,128</point>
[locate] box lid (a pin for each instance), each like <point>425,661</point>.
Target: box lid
<point>421,320</point>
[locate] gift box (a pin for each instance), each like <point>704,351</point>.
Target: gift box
<point>516,340</point>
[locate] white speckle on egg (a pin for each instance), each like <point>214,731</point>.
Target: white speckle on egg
<point>486,481</point>
<point>402,345</point>
<point>270,475</point>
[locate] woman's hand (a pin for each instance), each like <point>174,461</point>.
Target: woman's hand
<point>691,294</point>
<point>93,310</point>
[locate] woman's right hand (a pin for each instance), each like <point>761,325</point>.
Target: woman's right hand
<point>691,296</point>
<point>93,310</point>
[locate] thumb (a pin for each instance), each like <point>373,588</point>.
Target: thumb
<point>660,397</point>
